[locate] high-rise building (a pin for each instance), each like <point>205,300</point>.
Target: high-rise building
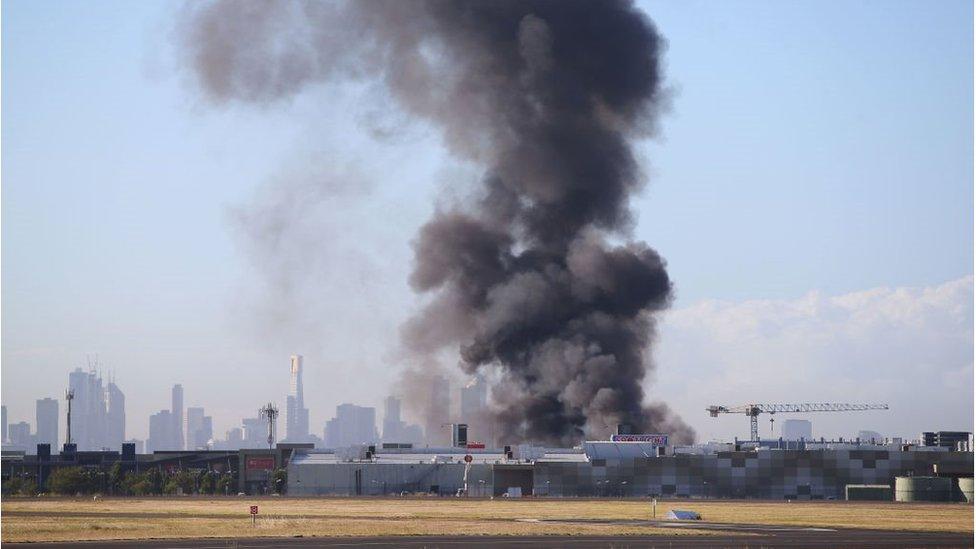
<point>176,413</point>
<point>3,412</point>
<point>395,429</point>
<point>474,410</point>
<point>296,414</point>
<point>90,425</point>
<point>234,439</point>
<point>20,434</point>
<point>115,416</point>
<point>351,425</point>
<point>391,419</point>
<point>255,432</point>
<point>162,435</point>
<point>199,429</point>
<point>796,429</point>
<point>438,412</point>
<point>205,434</point>
<point>46,416</point>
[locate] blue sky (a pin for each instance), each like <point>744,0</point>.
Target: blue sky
<point>812,147</point>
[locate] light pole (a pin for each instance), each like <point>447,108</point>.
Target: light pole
<point>69,395</point>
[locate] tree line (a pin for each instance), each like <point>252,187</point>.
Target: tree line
<point>118,482</point>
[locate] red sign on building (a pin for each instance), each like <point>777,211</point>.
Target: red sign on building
<point>260,463</point>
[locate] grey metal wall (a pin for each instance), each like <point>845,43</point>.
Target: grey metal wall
<point>786,474</point>
<point>770,475</point>
<point>365,478</point>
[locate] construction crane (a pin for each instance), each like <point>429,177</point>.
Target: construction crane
<point>753,411</point>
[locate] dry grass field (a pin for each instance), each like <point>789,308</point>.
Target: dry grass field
<point>50,519</point>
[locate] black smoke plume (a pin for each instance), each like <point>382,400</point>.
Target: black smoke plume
<point>547,96</point>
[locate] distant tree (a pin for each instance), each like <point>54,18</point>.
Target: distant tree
<point>116,477</point>
<point>227,484</point>
<point>137,484</point>
<point>28,487</point>
<point>69,481</point>
<point>279,480</point>
<point>20,486</point>
<point>180,482</point>
<point>155,478</point>
<point>208,482</point>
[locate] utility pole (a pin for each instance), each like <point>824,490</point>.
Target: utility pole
<point>69,395</point>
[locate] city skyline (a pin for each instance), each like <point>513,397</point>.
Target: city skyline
<point>189,427</point>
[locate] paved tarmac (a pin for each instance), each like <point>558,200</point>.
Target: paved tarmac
<point>750,536</point>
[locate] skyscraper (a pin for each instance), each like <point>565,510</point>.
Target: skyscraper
<point>89,411</point>
<point>199,429</point>
<point>438,412</point>
<point>234,439</point>
<point>115,416</point>
<point>391,419</point>
<point>351,425</point>
<point>161,432</point>
<point>176,414</point>
<point>296,414</point>
<point>47,422</point>
<point>394,428</point>
<point>20,434</point>
<point>205,434</point>
<point>474,410</point>
<point>3,411</point>
<point>255,432</point>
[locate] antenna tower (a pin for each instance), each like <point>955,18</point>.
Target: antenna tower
<point>270,411</point>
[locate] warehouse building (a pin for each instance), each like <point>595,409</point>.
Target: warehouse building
<point>819,470</point>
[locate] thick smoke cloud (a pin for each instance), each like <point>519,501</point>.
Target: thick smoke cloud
<point>546,96</point>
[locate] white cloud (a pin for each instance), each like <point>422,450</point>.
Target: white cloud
<point>909,347</point>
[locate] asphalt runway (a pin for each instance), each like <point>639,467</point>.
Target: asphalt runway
<point>751,536</point>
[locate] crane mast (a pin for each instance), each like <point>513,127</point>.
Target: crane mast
<point>753,411</point>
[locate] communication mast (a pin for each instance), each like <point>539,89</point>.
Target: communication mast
<point>270,411</point>
<point>69,395</point>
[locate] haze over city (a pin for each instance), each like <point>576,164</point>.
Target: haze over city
<point>812,200</point>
